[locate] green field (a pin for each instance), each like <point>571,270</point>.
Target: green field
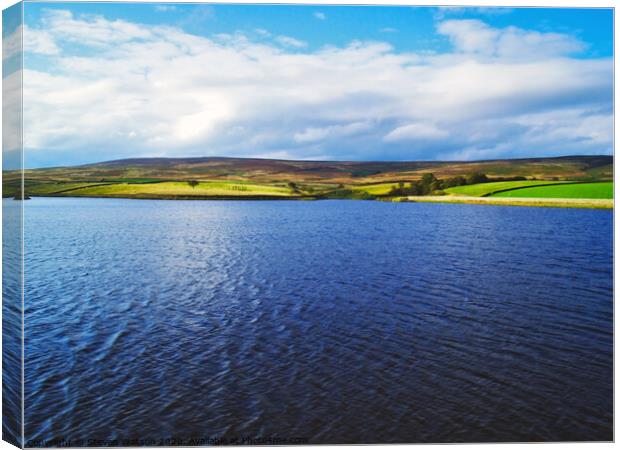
<point>55,188</point>
<point>561,179</point>
<point>178,188</point>
<point>603,190</point>
<point>154,188</point>
<point>484,189</point>
<point>175,188</point>
<point>373,189</point>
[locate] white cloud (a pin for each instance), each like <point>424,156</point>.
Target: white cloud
<point>153,90</point>
<point>317,134</point>
<point>320,15</point>
<point>470,36</point>
<point>11,112</point>
<point>12,44</point>
<point>288,41</point>
<point>445,11</point>
<point>475,36</point>
<point>262,32</point>
<point>39,42</point>
<point>91,30</point>
<point>165,8</point>
<point>569,125</point>
<point>416,131</point>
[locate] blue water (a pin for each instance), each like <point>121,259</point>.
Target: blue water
<point>12,258</point>
<point>316,322</point>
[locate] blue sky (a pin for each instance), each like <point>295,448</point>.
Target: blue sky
<point>406,28</point>
<point>111,80</point>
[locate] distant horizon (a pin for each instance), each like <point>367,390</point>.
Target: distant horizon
<point>216,157</point>
<point>106,81</point>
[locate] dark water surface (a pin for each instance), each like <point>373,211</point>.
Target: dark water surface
<point>12,259</point>
<point>333,321</point>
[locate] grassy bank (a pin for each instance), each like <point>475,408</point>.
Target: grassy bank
<point>484,189</point>
<point>175,189</point>
<point>512,201</point>
<point>603,190</point>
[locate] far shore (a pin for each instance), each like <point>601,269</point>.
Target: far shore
<point>453,199</point>
<point>565,182</point>
<point>539,202</point>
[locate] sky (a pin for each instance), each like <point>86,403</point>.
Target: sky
<point>106,81</point>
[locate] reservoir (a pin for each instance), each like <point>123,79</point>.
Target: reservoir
<point>321,321</point>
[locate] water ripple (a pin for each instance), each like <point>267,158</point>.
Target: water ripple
<point>340,322</point>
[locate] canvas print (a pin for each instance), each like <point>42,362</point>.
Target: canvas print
<point>236,224</point>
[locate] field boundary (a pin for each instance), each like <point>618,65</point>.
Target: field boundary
<point>183,197</point>
<point>541,185</point>
<point>78,188</point>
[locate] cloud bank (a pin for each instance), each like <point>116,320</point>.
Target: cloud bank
<point>101,89</point>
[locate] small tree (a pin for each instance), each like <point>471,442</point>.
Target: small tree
<point>437,185</point>
<point>456,181</point>
<point>428,178</point>
<point>193,183</point>
<point>414,188</point>
<point>476,178</point>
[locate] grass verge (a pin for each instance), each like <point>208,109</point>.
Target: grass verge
<point>484,189</point>
<point>538,202</point>
<point>603,190</point>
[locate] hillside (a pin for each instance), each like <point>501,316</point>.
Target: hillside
<point>265,178</point>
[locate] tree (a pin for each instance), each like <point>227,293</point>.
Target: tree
<point>193,183</point>
<point>428,178</point>
<point>477,177</point>
<point>414,189</point>
<point>436,185</point>
<point>455,181</point>
<point>426,183</point>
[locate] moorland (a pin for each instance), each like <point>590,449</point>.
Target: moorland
<point>560,181</point>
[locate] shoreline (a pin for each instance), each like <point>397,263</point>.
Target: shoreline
<point>449,199</point>
<point>512,201</point>
<point>180,197</point>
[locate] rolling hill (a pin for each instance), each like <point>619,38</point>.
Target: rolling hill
<point>220,177</point>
